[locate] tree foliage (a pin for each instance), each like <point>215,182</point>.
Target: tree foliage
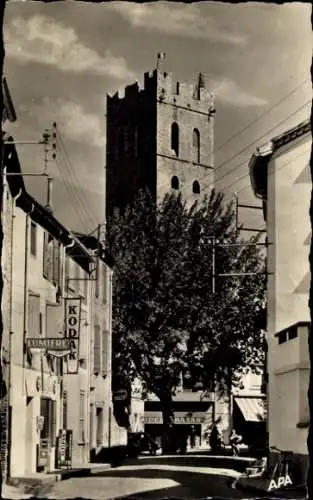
<point>173,312</point>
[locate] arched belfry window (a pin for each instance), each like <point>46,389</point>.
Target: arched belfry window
<point>196,187</point>
<point>196,145</point>
<point>175,138</point>
<point>175,182</point>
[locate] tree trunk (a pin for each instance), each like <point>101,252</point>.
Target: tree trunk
<point>168,438</point>
<point>2,430</point>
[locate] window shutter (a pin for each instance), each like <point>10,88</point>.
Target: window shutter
<point>105,353</point>
<point>33,315</point>
<point>64,412</point>
<point>53,407</point>
<point>104,283</point>
<point>97,350</point>
<point>66,272</point>
<point>56,262</point>
<point>47,256</point>
<point>86,283</point>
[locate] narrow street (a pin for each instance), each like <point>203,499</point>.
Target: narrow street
<point>157,477</point>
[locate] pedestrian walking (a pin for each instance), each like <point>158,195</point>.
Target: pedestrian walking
<point>234,441</point>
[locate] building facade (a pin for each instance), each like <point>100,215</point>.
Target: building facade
<point>105,433</point>
<point>159,137</point>
<point>280,176</point>
<point>57,304</point>
<point>8,116</point>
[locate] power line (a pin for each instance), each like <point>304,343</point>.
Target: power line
<point>217,179</point>
<point>71,193</point>
<point>70,172</point>
<point>281,167</point>
<point>268,110</point>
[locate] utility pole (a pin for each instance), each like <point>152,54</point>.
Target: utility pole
<point>215,245</point>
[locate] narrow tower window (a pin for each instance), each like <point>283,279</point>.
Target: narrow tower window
<point>196,187</point>
<point>120,143</point>
<point>175,138</point>
<point>196,145</point>
<point>175,182</point>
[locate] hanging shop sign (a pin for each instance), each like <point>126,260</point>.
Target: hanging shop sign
<point>61,449</point>
<point>72,332</point>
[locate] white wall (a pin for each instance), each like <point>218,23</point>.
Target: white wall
<point>288,228</point>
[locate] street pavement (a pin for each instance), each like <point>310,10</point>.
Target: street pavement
<point>153,477</point>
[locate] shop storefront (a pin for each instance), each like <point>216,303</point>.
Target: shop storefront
<point>190,422</point>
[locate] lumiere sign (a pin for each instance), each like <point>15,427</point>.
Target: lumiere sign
<point>67,346</point>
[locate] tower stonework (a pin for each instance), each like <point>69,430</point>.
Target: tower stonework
<point>160,137</point>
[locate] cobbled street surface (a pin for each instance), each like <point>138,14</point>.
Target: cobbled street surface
<point>157,477</point>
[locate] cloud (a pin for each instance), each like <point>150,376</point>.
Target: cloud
<point>42,40</point>
<point>185,20</point>
<point>81,126</point>
<point>228,92</point>
<point>73,120</point>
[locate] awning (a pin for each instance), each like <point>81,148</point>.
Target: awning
<point>252,409</point>
<point>180,417</point>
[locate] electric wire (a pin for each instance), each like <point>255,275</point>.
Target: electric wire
<point>262,115</point>
<point>73,177</point>
<point>63,160</point>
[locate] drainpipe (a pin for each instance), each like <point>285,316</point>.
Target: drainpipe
<point>25,315</point>
<point>14,200</point>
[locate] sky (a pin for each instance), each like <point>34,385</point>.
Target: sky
<point>63,58</point>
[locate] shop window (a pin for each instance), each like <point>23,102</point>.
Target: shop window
<point>175,182</point>
<point>196,187</point>
<point>33,239</point>
<point>196,145</point>
<point>175,138</point>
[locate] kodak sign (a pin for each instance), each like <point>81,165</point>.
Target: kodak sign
<point>72,332</point>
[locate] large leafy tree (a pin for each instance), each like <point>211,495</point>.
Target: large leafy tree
<point>176,309</point>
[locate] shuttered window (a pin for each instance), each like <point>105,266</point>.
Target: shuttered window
<point>48,256</point>
<point>104,283</point>
<point>34,326</point>
<point>97,350</point>
<point>82,416</point>
<point>66,272</point>
<point>97,284</point>
<point>33,239</point>
<point>64,412</point>
<point>105,353</point>
<point>56,262</point>
<point>86,283</point>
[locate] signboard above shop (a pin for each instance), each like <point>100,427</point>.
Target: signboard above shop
<point>55,344</point>
<point>120,395</point>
